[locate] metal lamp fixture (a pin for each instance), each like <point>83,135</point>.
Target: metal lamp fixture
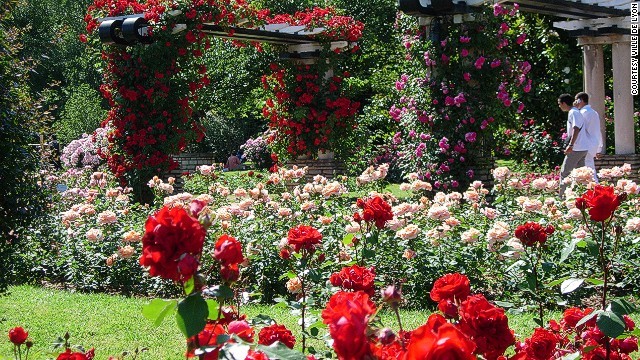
<point>125,30</point>
<point>426,7</point>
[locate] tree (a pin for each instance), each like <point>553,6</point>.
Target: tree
<point>21,198</point>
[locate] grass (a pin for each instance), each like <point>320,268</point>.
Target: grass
<point>113,324</point>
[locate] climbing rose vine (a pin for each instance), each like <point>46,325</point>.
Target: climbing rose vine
<point>461,79</point>
<point>307,103</point>
<point>152,88</point>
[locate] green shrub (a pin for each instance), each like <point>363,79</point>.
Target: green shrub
<point>82,114</point>
<point>222,136</point>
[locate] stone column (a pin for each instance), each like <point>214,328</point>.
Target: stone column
<point>593,70</point>
<point>622,98</point>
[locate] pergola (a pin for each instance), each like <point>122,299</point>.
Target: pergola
<point>594,23</point>
<point>300,42</point>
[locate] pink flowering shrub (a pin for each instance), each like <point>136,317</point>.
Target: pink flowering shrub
<point>84,151</point>
<point>457,88</point>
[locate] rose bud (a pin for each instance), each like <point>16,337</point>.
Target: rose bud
<point>581,204</point>
<point>549,229</point>
<point>285,253</point>
<point>386,336</point>
<point>391,295</point>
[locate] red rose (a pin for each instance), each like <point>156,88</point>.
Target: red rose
<point>347,315</point>
<point>601,202</point>
<point>228,250</point>
<point>393,351</point>
<point>581,204</point>
<point>454,287</point>
<point>187,266</point>
<point>541,345</point>
<point>242,329</point>
<point>17,335</point>
<point>230,273</point>
<point>304,237</point>
<point>377,210</point>
<point>196,207</point>
<point>628,345</point>
<point>531,233</point>
<point>448,308</point>
<point>447,342</point>
<point>628,323</point>
<point>487,325</point>
<point>208,336</point>
<point>270,334</point>
<point>169,234</point>
<point>573,315</point>
<point>68,355</point>
<point>256,355</point>
<point>355,278</point>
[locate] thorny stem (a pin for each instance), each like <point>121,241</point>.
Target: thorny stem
<point>302,312</point>
<point>537,284</point>
<point>395,309</point>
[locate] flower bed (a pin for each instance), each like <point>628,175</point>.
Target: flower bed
<point>290,239</point>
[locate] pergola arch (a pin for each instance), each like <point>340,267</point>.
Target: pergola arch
<point>594,23</point>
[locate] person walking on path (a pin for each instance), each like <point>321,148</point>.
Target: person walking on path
<point>592,128</point>
<point>577,147</point>
<point>233,162</point>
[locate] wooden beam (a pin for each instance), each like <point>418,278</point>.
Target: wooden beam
<point>603,40</point>
<point>274,27</point>
<point>568,8</point>
<point>622,22</point>
<point>273,37</point>
<point>293,29</point>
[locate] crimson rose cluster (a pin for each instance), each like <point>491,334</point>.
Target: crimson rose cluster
<point>152,88</point>
<point>307,104</point>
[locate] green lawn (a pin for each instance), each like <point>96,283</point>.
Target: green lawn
<point>113,324</point>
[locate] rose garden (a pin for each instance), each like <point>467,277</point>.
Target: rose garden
<point>399,196</point>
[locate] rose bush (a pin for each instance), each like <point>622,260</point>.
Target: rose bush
<point>308,107</point>
<point>445,112</point>
<point>248,249</point>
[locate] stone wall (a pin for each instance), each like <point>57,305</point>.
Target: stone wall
<point>609,161</point>
<point>188,163</point>
<point>328,168</point>
<point>482,171</point>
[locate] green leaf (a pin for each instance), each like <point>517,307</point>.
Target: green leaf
<point>189,285</point>
<point>192,314</point>
<point>222,291</point>
<point>610,324</point>
<point>280,351</point>
<point>593,248</point>
<point>596,282</point>
<point>572,356</point>
<point>557,282</point>
<point>622,307</point>
<point>214,308</point>
<point>585,319</point>
<point>234,351</point>
<point>157,309</point>
<point>570,285</point>
<point>347,239</point>
<point>367,254</point>
<point>504,304</point>
<point>564,255</point>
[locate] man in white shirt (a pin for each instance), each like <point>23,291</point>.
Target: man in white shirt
<point>592,128</point>
<point>577,143</point>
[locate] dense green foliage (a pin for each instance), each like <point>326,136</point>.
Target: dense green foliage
<point>82,114</point>
<point>21,118</point>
